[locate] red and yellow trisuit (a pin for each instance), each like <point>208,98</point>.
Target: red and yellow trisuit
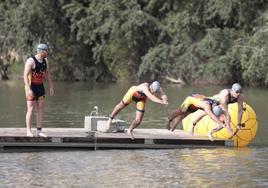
<point>192,103</point>
<point>36,78</point>
<point>133,94</point>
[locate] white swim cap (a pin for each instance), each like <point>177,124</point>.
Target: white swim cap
<point>155,86</point>
<point>217,110</point>
<point>41,47</point>
<point>237,88</point>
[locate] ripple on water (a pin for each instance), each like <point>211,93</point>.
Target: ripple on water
<point>221,167</point>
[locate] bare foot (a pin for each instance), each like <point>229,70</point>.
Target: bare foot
<point>130,134</point>
<point>230,131</point>
<point>168,124</point>
<point>109,125</point>
<point>40,134</point>
<point>210,136</point>
<point>110,130</point>
<point>192,131</point>
<point>29,134</point>
<point>173,128</point>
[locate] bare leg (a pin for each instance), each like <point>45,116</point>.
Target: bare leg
<point>172,116</point>
<point>235,132</point>
<point>135,123</point>
<point>40,116</point>
<point>116,110</point>
<point>209,134</point>
<point>200,114</point>
<point>30,107</point>
<point>230,131</point>
<point>192,129</point>
<point>179,119</point>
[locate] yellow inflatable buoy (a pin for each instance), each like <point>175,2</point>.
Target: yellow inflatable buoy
<point>242,138</point>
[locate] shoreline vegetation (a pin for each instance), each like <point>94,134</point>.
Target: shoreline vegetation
<point>191,42</point>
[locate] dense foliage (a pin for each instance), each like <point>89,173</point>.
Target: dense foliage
<point>191,41</point>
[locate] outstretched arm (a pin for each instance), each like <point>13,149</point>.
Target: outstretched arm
<point>224,105</point>
<point>208,111</point>
<point>240,109</point>
<point>152,97</point>
<point>163,95</point>
<point>240,114</point>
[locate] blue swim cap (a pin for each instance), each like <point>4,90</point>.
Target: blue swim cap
<point>217,110</point>
<point>237,88</point>
<point>155,86</point>
<point>41,47</point>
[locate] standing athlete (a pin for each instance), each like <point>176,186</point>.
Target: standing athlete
<point>36,70</point>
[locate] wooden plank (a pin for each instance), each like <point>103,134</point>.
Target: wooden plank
<point>78,138</point>
<point>51,132</point>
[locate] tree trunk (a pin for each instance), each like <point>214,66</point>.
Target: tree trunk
<point>174,80</point>
<point>3,72</point>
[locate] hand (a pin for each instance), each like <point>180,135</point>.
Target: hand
<point>51,91</point>
<point>236,131</point>
<point>223,125</point>
<point>164,97</point>
<point>233,134</point>
<point>164,102</point>
<point>30,92</point>
<point>239,126</point>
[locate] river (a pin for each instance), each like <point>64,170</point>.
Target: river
<point>185,167</point>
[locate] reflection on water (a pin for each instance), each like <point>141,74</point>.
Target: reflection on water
<point>221,167</point>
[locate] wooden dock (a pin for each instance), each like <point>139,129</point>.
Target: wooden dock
<point>78,138</point>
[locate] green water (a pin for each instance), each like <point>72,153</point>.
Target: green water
<point>185,167</point>
<point>72,101</point>
<point>188,167</point>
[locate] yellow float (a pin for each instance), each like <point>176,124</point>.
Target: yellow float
<point>242,138</point>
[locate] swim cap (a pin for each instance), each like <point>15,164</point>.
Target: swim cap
<point>41,47</point>
<point>155,86</point>
<point>217,110</point>
<point>237,88</point>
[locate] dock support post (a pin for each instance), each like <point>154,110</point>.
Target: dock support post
<point>1,148</point>
<point>95,143</point>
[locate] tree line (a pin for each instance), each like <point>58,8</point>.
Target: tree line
<point>186,41</point>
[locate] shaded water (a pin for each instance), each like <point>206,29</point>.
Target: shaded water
<point>186,167</point>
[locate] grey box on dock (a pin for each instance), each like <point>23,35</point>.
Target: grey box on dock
<point>117,126</point>
<point>99,123</point>
<point>91,122</point>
